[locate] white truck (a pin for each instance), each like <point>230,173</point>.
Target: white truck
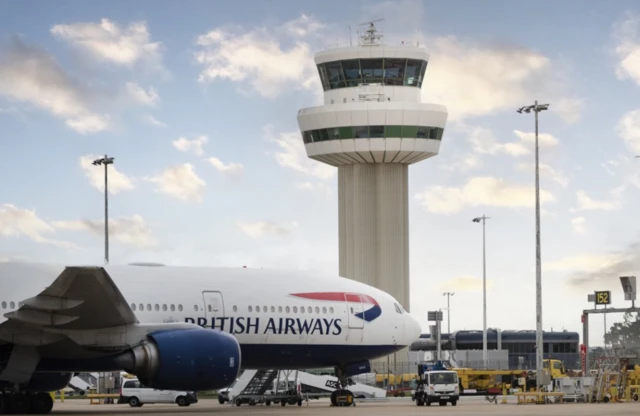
<point>437,386</point>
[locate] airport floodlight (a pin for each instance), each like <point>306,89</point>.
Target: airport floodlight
<point>106,161</point>
<point>628,287</point>
<point>536,108</point>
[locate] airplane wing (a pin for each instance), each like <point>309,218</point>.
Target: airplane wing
<point>81,298</point>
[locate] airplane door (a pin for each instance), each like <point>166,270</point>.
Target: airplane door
<point>354,306</point>
<point>213,305</point>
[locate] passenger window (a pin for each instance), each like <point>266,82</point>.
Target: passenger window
<point>273,309</point>
<point>157,307</point>
<point>287,309</point>
<point>295,309</point>
<point>12,305</point>
<point>250,308</point>
<point>235,308</point>
<point>195,308</point>
<point>4,305</point>
<point>173,308</point>
<point>310,309</point>
<point>331,310</point>
<point>141,307</point>
<point>317,310</point>
<point>280,309</point>
<point>149,307</point>
<point>265,309</point>
<point>164,307</point>
<point>324,310</point>
<point>180,308</point>
<point>302,309</point>
<point>133,306</point>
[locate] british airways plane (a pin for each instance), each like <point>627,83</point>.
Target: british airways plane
<point>184,328</point>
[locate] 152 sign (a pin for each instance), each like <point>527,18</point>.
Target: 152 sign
<point>603,297</point>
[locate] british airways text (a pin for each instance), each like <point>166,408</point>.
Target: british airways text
<point>280,326</point>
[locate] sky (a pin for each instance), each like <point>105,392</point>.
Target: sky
<point>197,103</point>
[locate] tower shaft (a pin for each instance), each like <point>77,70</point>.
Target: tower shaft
<point>374,226</point>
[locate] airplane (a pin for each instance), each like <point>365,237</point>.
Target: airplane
<point>184,328</point>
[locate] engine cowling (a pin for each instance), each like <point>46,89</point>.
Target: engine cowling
<point>185,359</point>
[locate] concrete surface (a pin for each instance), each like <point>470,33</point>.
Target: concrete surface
<point>468,406</point>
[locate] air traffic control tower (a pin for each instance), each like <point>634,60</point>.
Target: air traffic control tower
<point>372,126</point>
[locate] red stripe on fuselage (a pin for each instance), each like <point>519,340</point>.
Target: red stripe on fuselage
<point>337,297</point>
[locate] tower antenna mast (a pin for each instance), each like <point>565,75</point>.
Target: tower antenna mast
<point>371,36</point>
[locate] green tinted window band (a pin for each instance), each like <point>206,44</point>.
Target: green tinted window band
<point>352,132</point>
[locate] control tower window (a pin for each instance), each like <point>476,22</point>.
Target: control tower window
<point>336,77</point>
<point>423,132</point>
<point>394,71</point>
<point>372,71</point>
<point>361,132</point>
<point>376,131</point>
<point>323,77</point>
<point>333,133</point>
<point>352,72</point>
<point>307,137</point>
<point>412,78</point>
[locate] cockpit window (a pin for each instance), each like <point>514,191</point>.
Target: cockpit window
<point>398,308</point>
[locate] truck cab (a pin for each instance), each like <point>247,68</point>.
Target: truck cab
<point>439,386</point>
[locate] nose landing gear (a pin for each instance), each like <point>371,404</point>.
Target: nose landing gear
<point>341,396</point>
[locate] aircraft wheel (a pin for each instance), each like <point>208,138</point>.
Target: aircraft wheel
<point>41,403</point>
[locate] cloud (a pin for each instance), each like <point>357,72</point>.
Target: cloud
<point>185,145</point>
<point>118,181</point>
<point>315,187</point>
<point>605,269</point>
<point>586,203</point>
<point>294,156</point>
<point>627,47</point>
<point>258,58</point>
<point>465,284</point>
<point>180,182</point>
<point>480,191</point>
<point>16,222</point>
<point>483,142</point>
<point>126,230</point>
<point>138,94</point>
<point>154,121</point>
<point>629,129</point>
<point>303,26</point>
<point>569,109</point>
<point>581,262</point>
<point>107,41</point>
<point>258,229</point>
<point>222,167</point>
<point>578,225</point>
<point>475,80</point>
<point>544,139</point>
<point>28,74</point>
<point>546,171</point>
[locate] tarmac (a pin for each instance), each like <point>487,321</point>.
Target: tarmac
<point>467,406</point>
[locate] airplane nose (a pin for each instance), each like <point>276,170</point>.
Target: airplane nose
<point>412,330</point>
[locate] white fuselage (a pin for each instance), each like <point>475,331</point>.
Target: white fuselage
<point>280,318</point>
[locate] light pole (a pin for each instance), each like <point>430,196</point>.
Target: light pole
<point>106,161</point>
<point>536,108</point>
<point>448,295</point>
<point>484,289</point>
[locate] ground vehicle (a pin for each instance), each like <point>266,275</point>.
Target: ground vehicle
<point>437,384</point>
<point>137,394</point>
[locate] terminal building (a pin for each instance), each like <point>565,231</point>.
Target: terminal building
<point>372,126</point>
<point>519,345</point>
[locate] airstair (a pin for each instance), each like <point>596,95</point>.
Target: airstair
<point>610,368</point>
<point>292,387</point>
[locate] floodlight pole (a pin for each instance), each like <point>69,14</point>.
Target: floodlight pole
<point>484,291</point>
<point>536,108</point>
<point>106,161</point>
<point>448,295</point>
